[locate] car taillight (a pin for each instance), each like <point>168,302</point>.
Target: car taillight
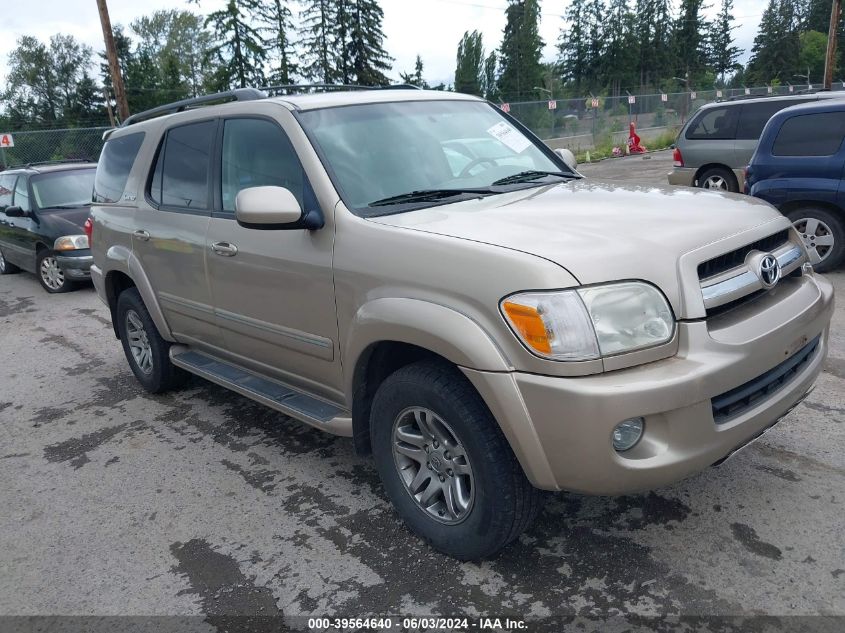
<point>88,227</point>
<point>676,156</point>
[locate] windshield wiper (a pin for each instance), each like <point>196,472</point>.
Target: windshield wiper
<point>425,195</point>
<point>531,174</point>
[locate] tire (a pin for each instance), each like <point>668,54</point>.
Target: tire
<point>149,358</point>
<point>823,232</point>
<point>6,267</point>
<point>718,179</point>
<point>494,500</point>
<point>50,275</point>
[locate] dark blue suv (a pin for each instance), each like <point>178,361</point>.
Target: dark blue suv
<point>798,167</point>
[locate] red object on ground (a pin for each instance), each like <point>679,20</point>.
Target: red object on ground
<point>634,146</point>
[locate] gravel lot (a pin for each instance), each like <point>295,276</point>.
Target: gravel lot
<point>114,502</point>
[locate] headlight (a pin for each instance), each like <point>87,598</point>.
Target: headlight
<point>587,323</point>
<point>70,243</point>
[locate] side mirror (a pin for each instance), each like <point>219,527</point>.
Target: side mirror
<point>272,207</point>
<point>568,157</point>
<point>15,212</point>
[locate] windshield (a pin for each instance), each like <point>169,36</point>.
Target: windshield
<point>383,150</point>
<point>66,188</point>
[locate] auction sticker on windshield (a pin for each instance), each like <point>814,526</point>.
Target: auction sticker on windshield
<point>509,136</point>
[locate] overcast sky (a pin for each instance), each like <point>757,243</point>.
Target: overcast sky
<point>430,28</point>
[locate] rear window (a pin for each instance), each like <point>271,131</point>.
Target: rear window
<point>114,166</point>
<point>714,124</point>
<point>181,174</point>
<point>754,116</point>
<point>811,135</point>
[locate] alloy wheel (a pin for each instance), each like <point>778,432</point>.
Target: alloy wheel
<point>433,464</point>
<point>817,236</point>
<point>2,263</point>
<point>52,276</point>
<point>139,342</point>
<point>716,182</point>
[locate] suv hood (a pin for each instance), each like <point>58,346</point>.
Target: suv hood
<point>598,231</point>
<point>65,221</point>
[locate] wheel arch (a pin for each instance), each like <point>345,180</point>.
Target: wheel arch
<point>387,334</point>
<point>122,270</point>
<point>797,205</point>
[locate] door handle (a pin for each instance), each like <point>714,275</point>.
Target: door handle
<point>225,249</point>
<point>142,235</point>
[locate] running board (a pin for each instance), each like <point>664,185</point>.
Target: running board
<point>276,395</point>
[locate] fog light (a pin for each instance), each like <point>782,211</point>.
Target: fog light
<point>627,433</point>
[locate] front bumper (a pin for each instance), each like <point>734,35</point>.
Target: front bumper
<point>76,264</point>
<point>560,428</point>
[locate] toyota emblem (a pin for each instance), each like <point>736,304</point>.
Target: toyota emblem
<point>769,271</point>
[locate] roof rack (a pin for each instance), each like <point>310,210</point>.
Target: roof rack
<point>49,162</point>
<point>288,88</point>
<point>239,94</point>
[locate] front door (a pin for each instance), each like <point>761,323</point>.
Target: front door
<point>273,290</point>
<point>169,233</point>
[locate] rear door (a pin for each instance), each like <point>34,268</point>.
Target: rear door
<point>273,289</point>
<point>169,233</point>
<point>752,119</point>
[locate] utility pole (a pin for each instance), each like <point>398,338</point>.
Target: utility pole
<point>114,65</point>
<point>107,97</point>
<point>830,58</point>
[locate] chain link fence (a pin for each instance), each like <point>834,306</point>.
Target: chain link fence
<point>578,124</point>
<point>591,122</point>
<point>35,146</point>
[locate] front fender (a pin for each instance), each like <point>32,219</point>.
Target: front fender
<point>431,326</point>
<point>122,259</point>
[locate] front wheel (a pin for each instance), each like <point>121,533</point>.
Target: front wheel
<point>50,274</point>
<point>445,464</point>
<point>6,267</point>
<point>823,233</point>
<point>146,351</point>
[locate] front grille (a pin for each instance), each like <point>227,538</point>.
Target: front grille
<point>737,401</point>
<point>727,307</point>
<point>736,258</point>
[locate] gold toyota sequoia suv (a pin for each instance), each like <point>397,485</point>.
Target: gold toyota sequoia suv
<point>417,271</point>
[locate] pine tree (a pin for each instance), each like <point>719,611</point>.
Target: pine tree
<point>490,83</point>
<point>239,48</point>
<point>369,59</point>
<point>690,43</point>
<point>573,47</point>
<point>317,41</point>
<point>342,40</point>
<point>595,30</point>
<point>277,23</point>
<point>521,70</point>
<point>415,78</point>
<point>777,45</point>
<point>618,61</point>
<point>723,53</point>
<point>469,71</point>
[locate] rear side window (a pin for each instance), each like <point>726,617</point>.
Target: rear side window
<point>811,135</point>
<point>256,153</point>
<point>714,124</point>
<point>754,116</point>
<point>114,166</point>
<point>181,173</point>
<point>7,187</point>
